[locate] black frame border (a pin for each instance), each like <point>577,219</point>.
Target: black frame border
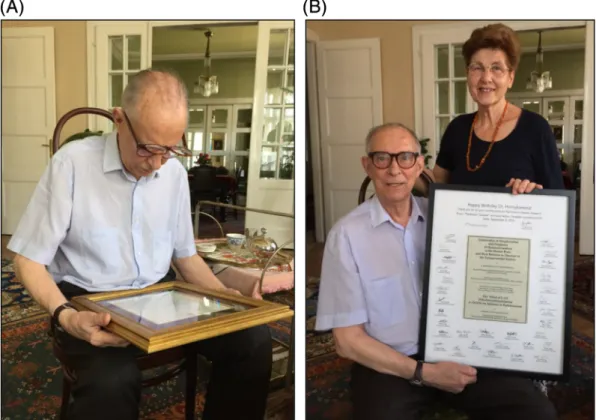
<point>571,200</point>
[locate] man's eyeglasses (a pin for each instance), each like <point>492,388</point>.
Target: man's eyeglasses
<point>147,150</point>
<point>383,160</point>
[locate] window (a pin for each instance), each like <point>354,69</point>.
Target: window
<point>277,149</point>
<point>565,116</point>
<point>125,60</point>
<point>451,91</point>
<point>222,131</point>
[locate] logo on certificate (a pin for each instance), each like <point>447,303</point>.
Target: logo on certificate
<point>492,354</point>
<point>474,346</point>
<point>443,333</point>
<point>439,347</point>
<point>486,334</point>
<point>463,333</point>
<point>501,346</point>
<point>516,357</point>
<point>528,345</point>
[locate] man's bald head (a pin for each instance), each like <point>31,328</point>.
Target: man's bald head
<point>154,112</point>
<point>154,89</point>
<point>378,129</point>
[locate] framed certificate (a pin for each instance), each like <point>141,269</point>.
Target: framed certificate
<point>498,280</point>
<point>175,313</point>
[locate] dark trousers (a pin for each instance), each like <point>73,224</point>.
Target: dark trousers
<point>108,381</point>
<point>377,396</point>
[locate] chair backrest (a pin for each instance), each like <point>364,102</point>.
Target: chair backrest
<point>420,188</point>
<point>222,170</point>
<point>77,111</point>
<point>204,178</point>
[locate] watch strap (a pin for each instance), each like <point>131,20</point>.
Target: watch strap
<point>417,378</point>
<point>58,310</point>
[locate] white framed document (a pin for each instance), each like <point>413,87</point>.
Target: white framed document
<point>498,280</point>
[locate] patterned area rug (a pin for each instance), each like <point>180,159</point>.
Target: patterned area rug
<point>583,287</point>
<point>16,302</point>
<point>32,376</point>
<point>328,376</point>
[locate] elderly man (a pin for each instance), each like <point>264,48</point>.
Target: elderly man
<point>110,213</point>
<point>370,296</point>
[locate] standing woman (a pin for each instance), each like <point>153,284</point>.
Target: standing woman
<point>500,144</point>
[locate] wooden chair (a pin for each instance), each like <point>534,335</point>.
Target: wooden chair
<point>421,187</point>
<point>183,358</point>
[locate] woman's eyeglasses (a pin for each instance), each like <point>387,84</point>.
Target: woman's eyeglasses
<point>496,70</point>
<point>147,150</point>
<point>383,160</point>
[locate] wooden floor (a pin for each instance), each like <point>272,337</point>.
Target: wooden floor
<point>314,257</point>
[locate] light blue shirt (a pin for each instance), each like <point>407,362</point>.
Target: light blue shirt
<point>94,225</point>
<point>372,275</point>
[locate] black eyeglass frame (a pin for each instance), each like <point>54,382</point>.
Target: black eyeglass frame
<point>392,156</point>
<point>160,150</point>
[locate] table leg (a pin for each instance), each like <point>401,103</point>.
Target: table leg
<point>290,365</point>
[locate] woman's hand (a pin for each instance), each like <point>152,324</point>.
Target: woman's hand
<point>520,187</point>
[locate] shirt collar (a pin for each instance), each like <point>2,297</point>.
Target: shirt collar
<point>112,160</point>
<point>379,215</point>
<point>111,154</point>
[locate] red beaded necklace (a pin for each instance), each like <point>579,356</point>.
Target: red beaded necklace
<point>490,147</point>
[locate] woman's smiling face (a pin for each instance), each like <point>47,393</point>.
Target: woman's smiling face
<point>489,76</point>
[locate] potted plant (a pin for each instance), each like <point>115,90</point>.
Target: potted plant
<point>424,150</point>
<point>204,159</point>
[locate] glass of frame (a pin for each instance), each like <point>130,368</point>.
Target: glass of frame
<point>176,313</point>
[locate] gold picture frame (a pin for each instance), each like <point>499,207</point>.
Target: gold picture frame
<point>187,313</point>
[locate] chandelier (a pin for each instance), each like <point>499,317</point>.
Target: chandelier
<point>207,84</point>
<point>539,80</point>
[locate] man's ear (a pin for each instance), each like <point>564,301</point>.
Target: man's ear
<point>364,161</point>
<point>118,115</point>
<point>419,165</point>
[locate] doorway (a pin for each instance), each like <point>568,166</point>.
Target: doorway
<point>309,182</point>
<point>220,123</point>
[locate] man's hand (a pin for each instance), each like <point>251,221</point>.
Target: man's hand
<point>448,376</point>
<point>88,326</point>
<point>230,291</point>
<point>520,187</point>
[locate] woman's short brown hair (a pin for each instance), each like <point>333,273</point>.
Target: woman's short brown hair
<point>495,36</point>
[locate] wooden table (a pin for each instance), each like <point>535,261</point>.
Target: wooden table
<point>243,272</point>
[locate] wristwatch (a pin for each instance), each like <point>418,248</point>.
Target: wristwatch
<point>59,309</point>
<point>417,378</point>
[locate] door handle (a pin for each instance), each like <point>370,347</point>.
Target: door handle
<point>49,146</point>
